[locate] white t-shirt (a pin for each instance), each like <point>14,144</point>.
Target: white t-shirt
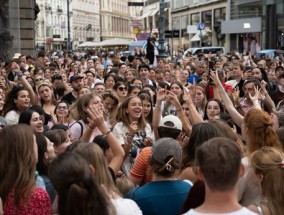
<point>12,117</point>
<point>243,211</point>
<point>126,207</point>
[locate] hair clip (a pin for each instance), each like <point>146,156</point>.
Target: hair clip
<point>281,164</point>
<point>169,166</point>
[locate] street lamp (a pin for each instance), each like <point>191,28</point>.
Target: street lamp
<point>69,48</point>
<point>162,41</point>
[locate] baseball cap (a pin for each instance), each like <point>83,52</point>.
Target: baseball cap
<point>164,148</point>
<point>171,121</point>
<point>75,77</point>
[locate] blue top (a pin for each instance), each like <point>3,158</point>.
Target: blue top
<point>161,197</point>
<point>192,77</point>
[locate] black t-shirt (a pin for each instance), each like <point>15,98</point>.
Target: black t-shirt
<point>69,98</point>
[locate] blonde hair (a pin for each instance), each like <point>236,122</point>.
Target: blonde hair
<point>124,185</point>
<point>269,162</point>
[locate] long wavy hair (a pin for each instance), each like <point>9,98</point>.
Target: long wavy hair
<point>10,99</point>
<point>259,130</point>
<point>17,163</point>
<point>268,162</point>
<point>113,112</point>
<point>123,117</point>
<point>77,189</point>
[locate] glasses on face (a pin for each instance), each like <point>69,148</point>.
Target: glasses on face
<point>62,107</point>
<point>38,79</point>
<point>122,88</point>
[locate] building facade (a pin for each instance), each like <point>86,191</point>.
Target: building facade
<point>186,13</point>
<point>85,21</point>
<point>254,25</point>
<point>116,17</point>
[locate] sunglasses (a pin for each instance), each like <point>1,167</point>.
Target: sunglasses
<point>122,88</point>
<point>62,107</point>
<point>39,79</point>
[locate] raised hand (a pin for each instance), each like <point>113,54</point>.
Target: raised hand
<point>161,95</point>
<point>15,67</point>
<point>132,128</point>
<point>256,96</point>
<point>236,93</point>
<point>96,117</point>
<point>173,98</point>
<point>215,78</point>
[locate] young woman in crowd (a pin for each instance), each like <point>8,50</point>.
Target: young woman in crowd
<point>109,81</point>
<point>200,100</point>
<point>47,101</point>
<point>60,140</point>
<point>61,114</point>
<point>138,82</point>
<point>147,107</point>
<point>121,90</point>
<point>176,88</point>
<point>129,75</point>
<point>213,108</point>
<point>33,119</point>
<point>18,191</point>
<point>268,166</point>
<point>45,156</point>
<point>82,124</point>
<point>17,101</point>
<point>133,90</point>
<point>131,129</point>
<point>110,102</point>
<point>83,195</point>
<point>184,75</point>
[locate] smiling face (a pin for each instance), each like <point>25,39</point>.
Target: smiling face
<point>61,110</point>
<point>134,109</point>
<point>212,110</point>
<point>36,123</point>
<point>129,76</point>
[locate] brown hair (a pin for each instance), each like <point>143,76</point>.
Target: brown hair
<point>219,160</point>
<point>123,117</point>
<point>17,162</point>
<point>57,136</point>
<point>259,130</point>
<point>83,103</point>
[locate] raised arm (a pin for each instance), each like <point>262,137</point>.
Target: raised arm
<point>236,116</point>
<point>194,115</point>
<point>96,118</point>
<point>180,113</point>
<point>34,99</point>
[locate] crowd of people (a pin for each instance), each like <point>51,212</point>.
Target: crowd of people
<point>99,133</point>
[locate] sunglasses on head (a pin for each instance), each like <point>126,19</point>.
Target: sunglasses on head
<point>122,88</point>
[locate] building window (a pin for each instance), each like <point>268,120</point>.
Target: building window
<point>219,15</point>
<point>207,18</point>
<point>195,19</point>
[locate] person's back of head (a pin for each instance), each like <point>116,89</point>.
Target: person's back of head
<point>170,126</point>
<point>166,157</point>
<point>219,162</point>
<point>268,165</point>
<point>77,189</point>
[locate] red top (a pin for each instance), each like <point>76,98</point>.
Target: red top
<point>39,204</point>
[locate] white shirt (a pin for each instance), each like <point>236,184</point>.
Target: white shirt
<point>242,211</point>
<point>12,117</point>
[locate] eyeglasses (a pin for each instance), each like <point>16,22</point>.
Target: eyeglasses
<point>122,88</point>
<point>38,79</point>
<point>62,107</point>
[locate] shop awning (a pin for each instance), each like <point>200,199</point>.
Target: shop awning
<point>249,25</point>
